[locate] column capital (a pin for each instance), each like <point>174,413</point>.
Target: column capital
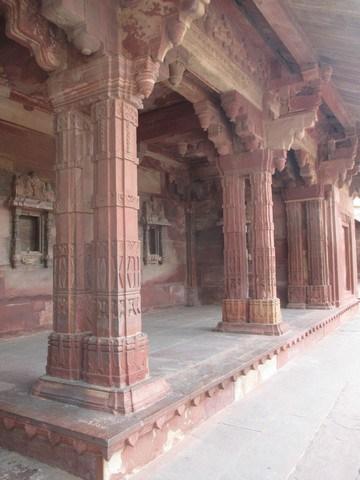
<point>304,193</point>
<point>104,77</point>
<point>245,163</point>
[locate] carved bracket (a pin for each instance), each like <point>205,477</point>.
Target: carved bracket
<point>341,164</point>
<point>307,167</point>
<point>284,131</point>
<point>248,120</point>
<point>213,122</point>
<point>70,17</point>
<point>25,25</point>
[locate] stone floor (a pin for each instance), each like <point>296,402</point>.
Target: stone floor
<point>181,340</point>
<point>17,467</point>
<point>184,349</point>
<point>302,424</point>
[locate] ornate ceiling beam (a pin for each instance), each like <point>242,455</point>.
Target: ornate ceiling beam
<point>178,119</point>
<point>25,25</point>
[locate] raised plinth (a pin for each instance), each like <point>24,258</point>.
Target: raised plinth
<point>254,328</point>
<point>115,400</point>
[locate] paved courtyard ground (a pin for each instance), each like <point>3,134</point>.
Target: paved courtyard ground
<point>302,424</point>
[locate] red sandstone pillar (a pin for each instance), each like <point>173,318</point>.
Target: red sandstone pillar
<point>264,308</point>
<point>319,289</point>
<point>116,357</point>
<point>235,304</point>
<point>260,314</point>
<point>297,264</point>
<point>73,218</point>
<point>107,356</point>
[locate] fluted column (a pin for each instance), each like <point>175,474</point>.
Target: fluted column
<point>318,294</point>
<point>118,354</point>
<point>261,313</point>
<point>235,255</point>
<point>72,250</point>
<point>264,308</point>
<point>296,259</point>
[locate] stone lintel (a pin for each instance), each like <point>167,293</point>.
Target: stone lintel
<point>302,194</point>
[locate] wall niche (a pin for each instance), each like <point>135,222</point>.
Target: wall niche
<point>32,204</point>
<point>153,221</point>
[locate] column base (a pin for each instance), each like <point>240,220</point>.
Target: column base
<point>65,354</point>
<point>259,317</point>
<point>253,328</point>
<point>318,297</point>
<point>265,311</point>
<point>115,400</point>
<point>235,310</point>
<point>297,296</point>
<point>296,305</point>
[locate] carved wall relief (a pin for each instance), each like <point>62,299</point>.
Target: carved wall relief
<point>153,221</point>
<point>32,205</point>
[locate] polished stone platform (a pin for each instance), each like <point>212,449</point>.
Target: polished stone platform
<point>206,370</point>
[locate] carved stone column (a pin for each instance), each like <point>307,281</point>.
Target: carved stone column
<point>110,359</point>
<point>116,357</point>
<point>260,314</point>
<point>73,219</point>
<point>318,295</point>
<point>235,305</point>
<point>264,308</point>
<point>297,264</point>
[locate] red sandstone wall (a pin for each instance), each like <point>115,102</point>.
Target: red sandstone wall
<point>342,212</point>
<point>25,292</point>
<point>207,204</point>
<point>357,239</point>
<point>163,285</point>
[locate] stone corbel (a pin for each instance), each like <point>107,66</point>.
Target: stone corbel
<point>280,134</point>
<point>335,171</point>
<point>177,61</point>
<point>175,26</point>
<point>247,119</point>
<point>148,72</point>
<point>341,164</point>
<point>215,125</point>
<point>69,15</point>
<point>25,25</point>
<point>307,167</point>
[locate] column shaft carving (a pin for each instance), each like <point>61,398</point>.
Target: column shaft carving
<point>296,259</point>
<point>259,314</point>
<point>118,354</point>
<point>235,255</point>
<point>264,308</point>
<point>319,289</point>
<point>73,219</point>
